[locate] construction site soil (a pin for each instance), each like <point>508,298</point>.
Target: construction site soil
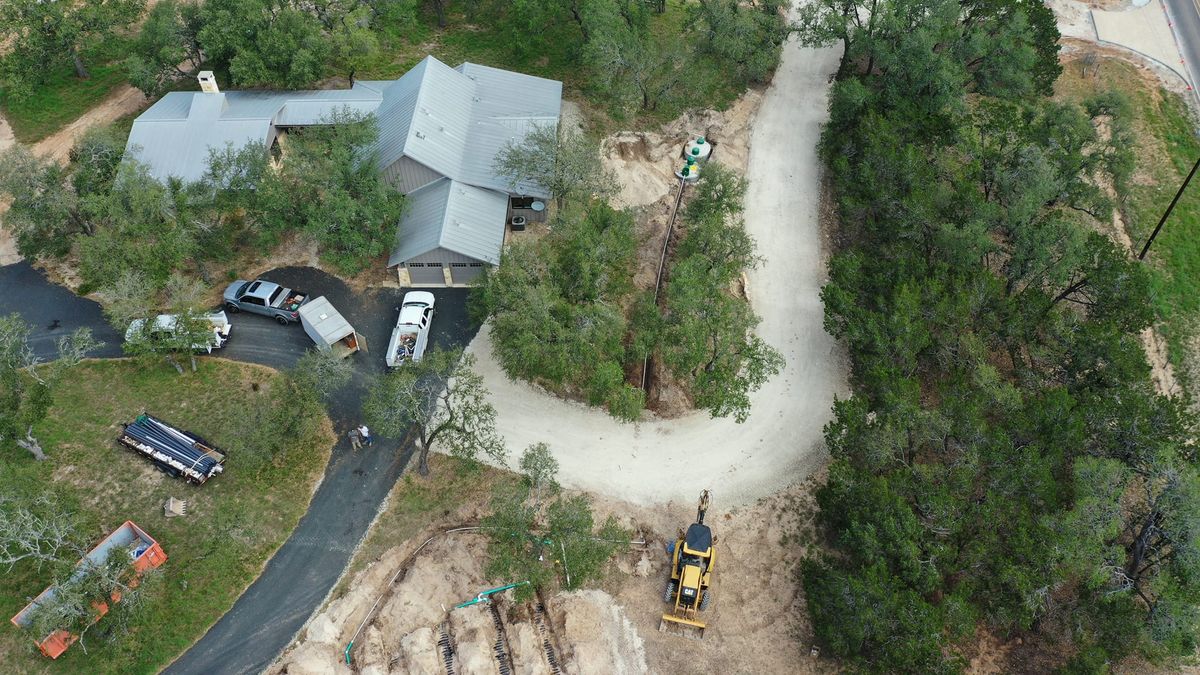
<point>756,623</point>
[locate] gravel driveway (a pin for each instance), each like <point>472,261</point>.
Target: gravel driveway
<point>659,461</point>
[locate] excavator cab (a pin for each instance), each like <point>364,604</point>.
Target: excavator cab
<point>691,573</point>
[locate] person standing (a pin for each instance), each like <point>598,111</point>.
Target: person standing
<point>366,435</point>
<point>355,439</point>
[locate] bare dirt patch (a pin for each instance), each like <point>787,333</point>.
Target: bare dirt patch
<point>1161,371</point>
<point>124,101</point>
<point>7,139</point>
<point>646,161</point>
<point>416,625</point>
<point>756,624</point>
<point>8,243</point>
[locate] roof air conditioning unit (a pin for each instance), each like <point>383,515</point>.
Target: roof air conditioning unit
<point>518,223</point>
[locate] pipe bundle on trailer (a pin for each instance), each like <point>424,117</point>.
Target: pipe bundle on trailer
<point>177,452</point>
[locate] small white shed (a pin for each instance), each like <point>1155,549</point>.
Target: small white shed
<point>329,329</point>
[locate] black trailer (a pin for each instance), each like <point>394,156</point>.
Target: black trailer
<point>174,451</point>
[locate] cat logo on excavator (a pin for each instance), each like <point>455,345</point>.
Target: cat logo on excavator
<point>691,573</point>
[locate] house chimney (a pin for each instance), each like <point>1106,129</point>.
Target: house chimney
<point>208,82</point>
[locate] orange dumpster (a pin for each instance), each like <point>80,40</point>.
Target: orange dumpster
<point>145,553</point>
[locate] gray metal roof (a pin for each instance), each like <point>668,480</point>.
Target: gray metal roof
<point>180,149</point>
<point>395,115</point>
<point>507,106</point>
<point>455,216</point>
<point>454,121</point>
<point>438,133</point>
<point>173,137</point>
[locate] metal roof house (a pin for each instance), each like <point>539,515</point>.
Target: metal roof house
<point>440,129</point>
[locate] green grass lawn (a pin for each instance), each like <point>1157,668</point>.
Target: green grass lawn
<point>64,97</point>
<point>1166,149</point>
<point>234,522</point>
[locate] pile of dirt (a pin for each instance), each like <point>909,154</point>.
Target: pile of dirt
<point>415,628</point>
<point>646,161</point>
<point>757,622</point>
<point>422,596</point>
<point>597,636</point>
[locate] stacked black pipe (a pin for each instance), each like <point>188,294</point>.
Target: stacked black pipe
<point>175,451</point>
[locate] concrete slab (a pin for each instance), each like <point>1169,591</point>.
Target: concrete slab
<point>1144,30</point>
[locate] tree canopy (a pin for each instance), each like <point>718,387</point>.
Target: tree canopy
<point>40,36</point>
<point>555,306</point>
<point>27,383</point>
<point>564,163</point>
<point>1004,460</point>
<point>167,48</point>
<point>707,337</point>
<point>330,188</point>
<point>538,535</point>
<point>444,400</point>
<point>117,217</point>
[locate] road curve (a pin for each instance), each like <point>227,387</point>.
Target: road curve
<point>301,573</point>
<point>659,460</point>
<point>1185,16</point>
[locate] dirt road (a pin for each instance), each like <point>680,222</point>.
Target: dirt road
<point>123,101</point>
<point>661,460</point>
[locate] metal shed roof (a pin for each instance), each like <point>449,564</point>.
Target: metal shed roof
<point>325,320</point>
<point>455,216</point>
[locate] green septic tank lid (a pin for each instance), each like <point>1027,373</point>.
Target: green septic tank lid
<point>686,170</point>
<point>691,161</point>
<point>699,140</point>
<point>695,151</point>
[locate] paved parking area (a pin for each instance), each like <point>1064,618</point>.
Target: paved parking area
<point>300,574</point>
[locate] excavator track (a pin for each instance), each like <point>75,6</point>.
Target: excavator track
<point>539,618</point>
<point>447,648</point>
<point>503,660</point>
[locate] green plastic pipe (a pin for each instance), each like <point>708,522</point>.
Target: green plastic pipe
<point>484,595</point>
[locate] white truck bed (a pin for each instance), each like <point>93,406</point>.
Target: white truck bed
<point>410,337</point>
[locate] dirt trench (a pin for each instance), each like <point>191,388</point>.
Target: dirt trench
<point>417,628</point>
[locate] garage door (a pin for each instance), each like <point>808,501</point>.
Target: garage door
<point>426,273</point>
<point>465,273</point>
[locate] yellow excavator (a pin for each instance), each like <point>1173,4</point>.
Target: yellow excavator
<point>691,573</point>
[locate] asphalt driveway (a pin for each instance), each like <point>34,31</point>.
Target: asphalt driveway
<point>52,311</point>
<point>299,576</point>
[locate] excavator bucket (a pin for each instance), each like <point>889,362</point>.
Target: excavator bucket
<point>678,625</point>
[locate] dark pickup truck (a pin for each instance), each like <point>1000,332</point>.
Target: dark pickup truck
<point>266,298</point>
